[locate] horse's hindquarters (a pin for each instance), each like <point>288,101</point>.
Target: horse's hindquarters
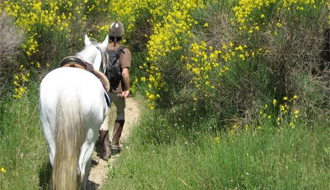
<point>71,97</point>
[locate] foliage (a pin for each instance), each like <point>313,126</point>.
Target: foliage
<point>246,51</point>
<point>238,85</point>
<point>268,158</point>
<point>8,50</point>
<point>51,31</point>
<point>24,154</point>
<point>193,55</point>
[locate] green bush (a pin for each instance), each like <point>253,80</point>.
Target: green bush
<point>223,78</point>
<point>9,48</point>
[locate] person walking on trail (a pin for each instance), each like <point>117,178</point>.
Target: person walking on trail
<point>119,89</point>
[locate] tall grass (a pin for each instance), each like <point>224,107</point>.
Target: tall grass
<point>163,156</point>
<point>23,150</point>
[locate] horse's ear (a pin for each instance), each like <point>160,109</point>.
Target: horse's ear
<point>87,41</point>
<point>105,41</point>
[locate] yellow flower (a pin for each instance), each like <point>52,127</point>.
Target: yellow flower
<point>217,139</point>
<point>232,132</point>
<point>292,125</point>
<point>239,48</point>
<point>3,170</point>
<point>151,107</point>
<point>274,102</point>
<point>246,127</point>
<point>278,25</point>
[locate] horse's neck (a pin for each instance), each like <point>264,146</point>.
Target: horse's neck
<point>97,62</point>
<point>84,57</point>
<point>89,59</point>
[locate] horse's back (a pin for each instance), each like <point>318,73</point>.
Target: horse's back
<point>73,83</point>
<point>67,77</point>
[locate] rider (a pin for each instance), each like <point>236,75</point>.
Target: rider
<point>118,93</point>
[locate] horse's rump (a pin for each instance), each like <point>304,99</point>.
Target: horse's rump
<point>72,105</point>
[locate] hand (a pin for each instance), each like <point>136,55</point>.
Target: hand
<point>124,94</point>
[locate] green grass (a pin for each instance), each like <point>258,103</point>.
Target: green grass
<point>23,147</point>
<point>162,155</point>
<point>288,159</point>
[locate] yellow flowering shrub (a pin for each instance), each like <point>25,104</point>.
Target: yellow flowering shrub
<point>171,33</point>
<point>179,64</point>
<point>251,15</point>
<point>41,20</point>
<point>281,115</point>
<point>177,59</point>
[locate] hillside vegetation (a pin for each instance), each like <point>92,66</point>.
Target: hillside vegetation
<point>236,92</point>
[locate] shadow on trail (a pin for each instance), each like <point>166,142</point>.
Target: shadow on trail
<point>45,173</point>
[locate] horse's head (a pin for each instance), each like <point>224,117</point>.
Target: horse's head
<point>94,53</point>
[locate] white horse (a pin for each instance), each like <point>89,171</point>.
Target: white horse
<point>73,106</point>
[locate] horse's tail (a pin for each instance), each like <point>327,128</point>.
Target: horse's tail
<point>70,135</point>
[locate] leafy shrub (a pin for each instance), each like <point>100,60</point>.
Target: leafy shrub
<point>11,39</point>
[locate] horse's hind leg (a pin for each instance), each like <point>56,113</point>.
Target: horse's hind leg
<point>49,131</point>
<point>47,107</point>
<point>85,167</point>
<point>86,154</point>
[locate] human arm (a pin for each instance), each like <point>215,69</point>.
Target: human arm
<point>126,80</point>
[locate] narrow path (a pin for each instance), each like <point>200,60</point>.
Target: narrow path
<point>100,167</point>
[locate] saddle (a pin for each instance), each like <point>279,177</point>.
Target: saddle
<point>72,61</point>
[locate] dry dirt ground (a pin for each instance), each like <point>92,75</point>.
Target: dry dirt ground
<point>100,167</point>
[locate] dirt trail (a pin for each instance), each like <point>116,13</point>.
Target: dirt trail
<point>100,167</point>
